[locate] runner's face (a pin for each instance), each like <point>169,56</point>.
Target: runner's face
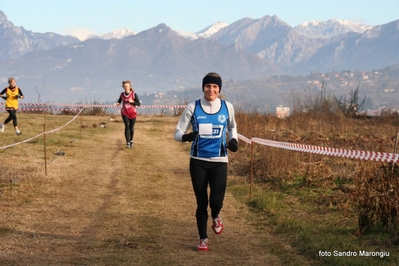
<point>13,84</point>
<point>211,92</point>
<point>126,87</point>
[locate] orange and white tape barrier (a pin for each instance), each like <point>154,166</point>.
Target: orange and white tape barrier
<point>46,132</point>
<point>45,109</point>
<point>46,105</point>
<point>352,154</point>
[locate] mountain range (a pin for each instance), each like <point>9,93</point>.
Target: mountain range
<point>17,41</point>
<point>161,59</point>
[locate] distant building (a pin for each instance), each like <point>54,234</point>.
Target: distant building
<point>282,111</point>
<point>316,82</point>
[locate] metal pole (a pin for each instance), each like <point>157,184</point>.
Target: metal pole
<point>45,152</point>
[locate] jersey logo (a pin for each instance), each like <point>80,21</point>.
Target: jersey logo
<point>222,118</point>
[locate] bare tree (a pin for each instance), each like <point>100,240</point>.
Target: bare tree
<point>41,92</point>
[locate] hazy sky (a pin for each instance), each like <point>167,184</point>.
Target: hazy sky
<point>83,17</point>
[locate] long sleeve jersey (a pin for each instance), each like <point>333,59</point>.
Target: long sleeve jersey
<point>11,97</point>
<point>210,108</point>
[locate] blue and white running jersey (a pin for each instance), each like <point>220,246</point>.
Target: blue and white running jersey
<point>211,139</point>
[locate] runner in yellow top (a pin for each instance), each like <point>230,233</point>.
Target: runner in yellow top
<point>11,94</point>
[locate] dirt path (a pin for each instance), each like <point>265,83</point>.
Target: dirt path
<point>104,204</point>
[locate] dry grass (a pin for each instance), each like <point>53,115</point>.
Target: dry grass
<point>103,204</point>
<point>320,202</point>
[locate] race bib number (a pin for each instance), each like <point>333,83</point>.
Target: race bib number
<point>205,129</point>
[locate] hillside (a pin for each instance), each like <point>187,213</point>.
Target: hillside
<point>160,59</point>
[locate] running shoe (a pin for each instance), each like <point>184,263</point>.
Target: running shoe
<point>2,127</point>
<point>131,144</point>
<point>128,145</point>
<point>203,245</point>
<point>18,132</point>
<point>217,225</point>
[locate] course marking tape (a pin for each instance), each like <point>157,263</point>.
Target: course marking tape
<point>44,109</point>
<point>46,132</point>
<point>46,105</point>
<point>352,154</point>
<point>242,137</point>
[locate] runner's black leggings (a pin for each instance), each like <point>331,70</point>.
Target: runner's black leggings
<point>129,127</point>
<point>202,174</point>
<point>12,116</point>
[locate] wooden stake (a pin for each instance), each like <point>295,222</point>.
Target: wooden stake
<point>81,125</point>
<point>45,148</point>
<point>251,171</point>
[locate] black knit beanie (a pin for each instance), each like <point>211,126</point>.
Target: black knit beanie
<point>212,79</point>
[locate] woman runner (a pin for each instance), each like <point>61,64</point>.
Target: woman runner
<point>11,94</point>
<point>210,119</point>
<point>129,100</point>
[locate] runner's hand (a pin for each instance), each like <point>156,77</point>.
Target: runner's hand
<point>232,145</point>
<point>190,136</point>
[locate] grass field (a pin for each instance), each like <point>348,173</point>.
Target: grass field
<point>103,204</point>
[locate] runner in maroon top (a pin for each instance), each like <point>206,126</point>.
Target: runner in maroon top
<point>129,101</point>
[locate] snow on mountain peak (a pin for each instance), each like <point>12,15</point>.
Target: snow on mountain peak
<point>119,34</point>
<point>329,28</point>
<point>212,29</point>
<point>116,34</point>
<point>205,33</point>
<point>310,23</point>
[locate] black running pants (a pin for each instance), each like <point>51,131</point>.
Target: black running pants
<point>204,173</point>
<point>12,116</point>
<point>129,127</point>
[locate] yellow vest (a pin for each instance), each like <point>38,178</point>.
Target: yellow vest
<point>12,100</point>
